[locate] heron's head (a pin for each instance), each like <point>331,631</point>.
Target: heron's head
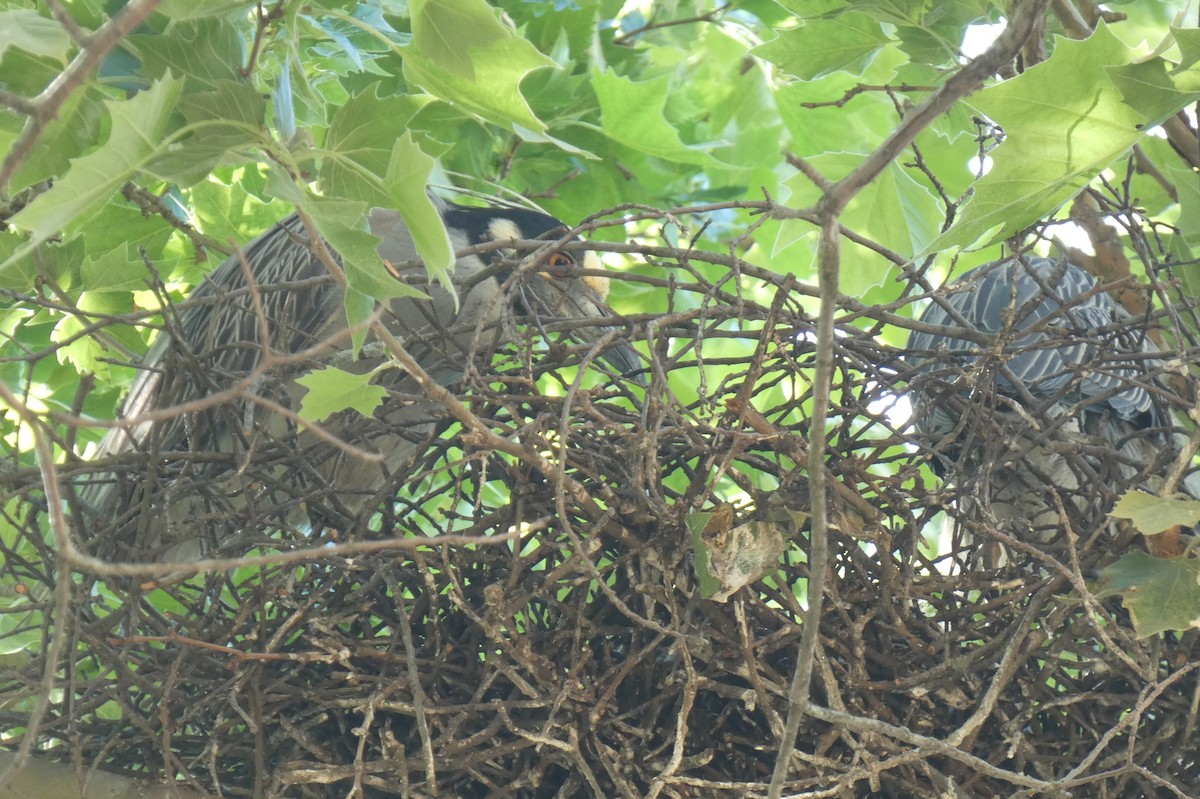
<point>563,286</point>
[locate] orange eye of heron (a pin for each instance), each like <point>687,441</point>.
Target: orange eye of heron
<point>559,264</point>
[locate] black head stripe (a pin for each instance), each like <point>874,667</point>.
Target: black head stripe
<point>477,223</point>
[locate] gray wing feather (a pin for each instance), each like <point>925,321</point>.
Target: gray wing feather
<point>214,341</point>
<point>1052,335</point>
<point>1061,394</point>
<point>219,325</point>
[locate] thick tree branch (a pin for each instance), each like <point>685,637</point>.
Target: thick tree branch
<point>1022,23</point>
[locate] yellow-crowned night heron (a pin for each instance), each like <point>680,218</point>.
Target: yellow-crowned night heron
<point>235,470</point>
<point>1037,383</point>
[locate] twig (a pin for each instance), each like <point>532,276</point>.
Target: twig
<point>17,103</point>
<point>262,20</point>
<point>63,582</point>
<point>862,88</point>
<point>929,745</point>
<point>709,16</point>
<point>63,17</point>
<point>818,554</point>
<point>87,563</point>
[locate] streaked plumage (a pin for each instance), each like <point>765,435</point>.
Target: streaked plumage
<point>1062,393</point>
<point>227,473</point>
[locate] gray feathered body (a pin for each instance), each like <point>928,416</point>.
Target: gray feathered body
<point>235,472</point>
<point>1041,387</point>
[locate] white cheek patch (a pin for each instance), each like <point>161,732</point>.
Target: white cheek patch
<point>596,283</point>
<point>501,229</point>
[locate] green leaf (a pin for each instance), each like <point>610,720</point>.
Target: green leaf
<point>633,114</point>
<point>26,74</point>
<point>120,223</point>
<point>26,29</point>
<point>138,128</point>
<point>360,143</point>
<point>20,269</point>
<point>843,43</point>
<point>1188,40</point>
<point>1159,594</point>
<point>894,210</point>
<point>359,307</point>
<point>1151,514</point>
<point>1155,89</point>
<point>203,52</point>
<point>407,176</point>
<point>332,390</point>
<point>226,122</point>
<point>190,9</point>
<point>228,212</point>
<point>696,523</point>
<point>806,9</point>
<point>1184,179</point>
<point>85,352</point>
<point>231,101</point>
<point>1065,121</point>
<point>76,128</point>
<point>462,53</point>
<point>120,269</point>
<point>343,224</point>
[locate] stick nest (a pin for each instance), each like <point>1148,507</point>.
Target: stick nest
<point>563,647</point>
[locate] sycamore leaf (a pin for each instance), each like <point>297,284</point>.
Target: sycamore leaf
<point>1065,120</point>
<point>89,353</point>
<point>74,129</point>
<point>204,52</point>
<point>30,31</point>
<point>407,175</point>
<point>190,9</point>
<point>404,170</point>
<point>697,523</point>
<point>359,307</point>
<point>343,225</point>
<point>138,128</point>
<point>1188,189</point>
<point>821,46</point>
<point>1188,40</point>
<point>341,222</point>
<point>1160,594</point>
<point>462,53</point>
<point>20,268</point>
<point>332,390</point>
<point>1154,90</point>
<point>894,209</point>
<point>120,269</point>
<point>361,139</point>
<point>225,122</point>
<point>1151,514</point>
<point>633,114</point>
